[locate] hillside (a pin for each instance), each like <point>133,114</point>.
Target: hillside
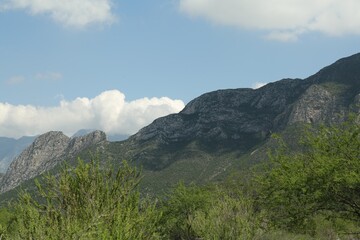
<point>228,130</point>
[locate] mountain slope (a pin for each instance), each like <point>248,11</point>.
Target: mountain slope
<point>228,130</point>
<point>44,154</point>
<point>218,131</point>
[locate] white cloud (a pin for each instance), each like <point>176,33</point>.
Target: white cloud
<point>284,20</point>
<point>258,85</point>
<point>15,80</point>
<point>48,76</point>
<point>73,13</point>
<point>108,111</point>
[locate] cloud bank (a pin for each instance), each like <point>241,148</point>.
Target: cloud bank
<point>108,111</point>
<point>284,20</point>
<point>72,13</point>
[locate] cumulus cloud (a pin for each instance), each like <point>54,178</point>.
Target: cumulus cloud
<point>108,111</point>
<point>73,13</point>
<point>284,20</point>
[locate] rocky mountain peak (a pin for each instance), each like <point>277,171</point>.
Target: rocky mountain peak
<point>343,71</point>
<point>244,117</point>
<point>44,153</point>
<point>240,116</point>
<point>77,144</point>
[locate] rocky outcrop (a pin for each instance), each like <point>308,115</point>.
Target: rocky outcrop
<point>234,115</point>
<point>44,153</point>
<point>245,117</point>
<point>315,105</point>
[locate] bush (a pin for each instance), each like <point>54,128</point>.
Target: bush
<point>178,208</point>
<point>324,179</point>
<point>210,212</point>
<point>88,202</point>
<point>228,218</point>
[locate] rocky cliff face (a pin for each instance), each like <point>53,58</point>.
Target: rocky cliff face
<point>44,153</point>
<point>228,114</point>
<point>244,117</point>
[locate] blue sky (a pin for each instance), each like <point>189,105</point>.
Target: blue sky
<point>137,52</point>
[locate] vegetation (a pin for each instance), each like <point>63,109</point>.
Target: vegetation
<point>308,194</point>
<point>323,179</point>
<point>88,202</point>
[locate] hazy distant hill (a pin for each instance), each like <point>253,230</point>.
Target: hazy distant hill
<point>228,130</point>
<point>10,148</point>
<point>110,138</point>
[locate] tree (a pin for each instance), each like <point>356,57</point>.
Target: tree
<point>178,208</point>
<point>87,202</point>
<point>323,179</point>
<point>229,217</point>
<point>209,212</point>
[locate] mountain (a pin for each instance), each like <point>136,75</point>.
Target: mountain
<point>236,116</point>
<point>117,137</point>
<point>10,148</point>
<point>219,132</point>
<point>45,153</point>
<point>110,137</point>
<point>82,132</point>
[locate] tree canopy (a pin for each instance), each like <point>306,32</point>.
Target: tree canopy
<point>324,178</point>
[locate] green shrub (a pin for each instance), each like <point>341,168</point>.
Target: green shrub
<point>178,208</point>
<point>228,218</point>
<point>88,202</point>
<point>324,179</point>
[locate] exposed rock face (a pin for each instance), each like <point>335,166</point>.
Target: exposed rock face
<point>44,153</point>
<point>315,105</point>
<point>247,116</point>
<point>228,114</point>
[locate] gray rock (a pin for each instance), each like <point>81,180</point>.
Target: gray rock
<point>245,116</point>
<point>45,153</point>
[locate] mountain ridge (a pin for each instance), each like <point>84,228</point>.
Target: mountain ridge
<point>220,130</point>
<point>44,153</point>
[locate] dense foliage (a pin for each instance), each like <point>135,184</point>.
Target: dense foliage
<point>88,202</point>
<point>323,179</point>
<point>312,194</point>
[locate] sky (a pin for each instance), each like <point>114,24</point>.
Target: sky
<point>116,65</point>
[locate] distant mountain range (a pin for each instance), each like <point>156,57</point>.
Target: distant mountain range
<point>217,133</point>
